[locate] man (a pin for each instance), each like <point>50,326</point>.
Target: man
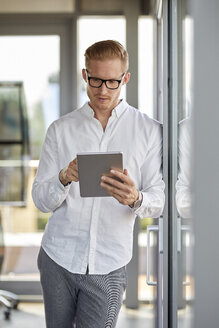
<point>88,241</point>
<point>184,193</point>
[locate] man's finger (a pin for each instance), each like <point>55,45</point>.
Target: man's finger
<point>124,177</point>
<point>124,195</point>
<point>74,164</point>
<point>113,182</point>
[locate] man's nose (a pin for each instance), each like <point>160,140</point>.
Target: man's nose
<point>103,87</point>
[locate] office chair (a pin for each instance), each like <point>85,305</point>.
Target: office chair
<point>7,299</point>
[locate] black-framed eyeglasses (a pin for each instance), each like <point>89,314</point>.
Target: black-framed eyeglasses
<point>96,82</point>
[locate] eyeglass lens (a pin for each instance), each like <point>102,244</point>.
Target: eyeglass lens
<point>97,83</point>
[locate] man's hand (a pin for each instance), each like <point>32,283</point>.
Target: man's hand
<point>69,173</point>
<point>124,190</point>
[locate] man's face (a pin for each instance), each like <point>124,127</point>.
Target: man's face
<point>104,99</point>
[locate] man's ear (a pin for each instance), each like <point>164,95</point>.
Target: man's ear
<point>126,78</point>
<point>84,75</point>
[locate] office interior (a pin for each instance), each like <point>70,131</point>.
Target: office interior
<point>174,64</point>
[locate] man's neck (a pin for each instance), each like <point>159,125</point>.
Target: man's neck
<point>103,116</point>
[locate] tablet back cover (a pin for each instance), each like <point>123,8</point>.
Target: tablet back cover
<point>91,166</point>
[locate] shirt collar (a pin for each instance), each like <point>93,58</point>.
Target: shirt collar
<point>118,110</point>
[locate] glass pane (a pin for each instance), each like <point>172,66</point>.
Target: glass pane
<point>33,61</point>
<point>90,31</point>
<point>14,144</point>
<point>183,185</point>
<point>10,114</point>
<point>12,174</point>
<point>149,275</point>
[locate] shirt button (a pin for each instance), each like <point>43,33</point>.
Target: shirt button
<point>103,146</point>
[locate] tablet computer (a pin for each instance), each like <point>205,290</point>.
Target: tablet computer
<point>91,166</point>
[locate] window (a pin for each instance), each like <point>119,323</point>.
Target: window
<point>30,90</point>
<point>147,63</point>
<point>90,31</point>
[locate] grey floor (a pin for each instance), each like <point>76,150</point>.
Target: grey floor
<point>32,315</point>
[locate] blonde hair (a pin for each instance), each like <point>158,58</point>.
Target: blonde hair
<point>107,49</point>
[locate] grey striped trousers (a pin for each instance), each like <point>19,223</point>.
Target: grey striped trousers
<point>80,300</point>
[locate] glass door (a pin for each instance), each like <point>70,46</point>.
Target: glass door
<point>184,180</point>
<point>147,256</point>
<point>150,102</point>
<point>30,64</point>
<point>181,285</point>
<point>34,60</point>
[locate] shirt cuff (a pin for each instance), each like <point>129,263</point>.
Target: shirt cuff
<point>61,186</point>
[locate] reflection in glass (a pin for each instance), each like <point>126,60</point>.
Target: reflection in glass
<point>184,193</point>
<point>185,239</point>
<point>183,185</point>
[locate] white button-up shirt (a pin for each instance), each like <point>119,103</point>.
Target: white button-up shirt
<point>184,194</point>
<point>97,231</point>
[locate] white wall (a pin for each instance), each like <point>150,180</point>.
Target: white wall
<point>206,162</point>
